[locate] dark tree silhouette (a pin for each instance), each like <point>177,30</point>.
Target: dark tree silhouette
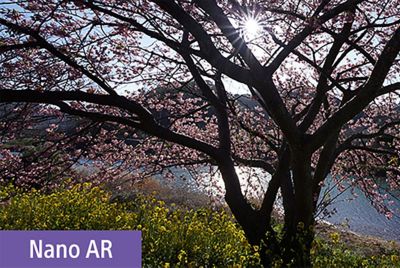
<point>325,75</point>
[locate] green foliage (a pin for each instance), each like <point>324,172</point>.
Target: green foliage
<point>81,207</point>
<point>191,238</point>
<point>172,237</point>
<point>335,254</point>
<point>8,191</point>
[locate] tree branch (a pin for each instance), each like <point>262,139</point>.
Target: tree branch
<point>146,123</point>
<point>57,53</point>
<point>366,94</point>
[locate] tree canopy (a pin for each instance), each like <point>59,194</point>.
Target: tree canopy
<point>321,83</point>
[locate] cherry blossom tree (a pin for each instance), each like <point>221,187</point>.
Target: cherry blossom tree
<point>324,75</point>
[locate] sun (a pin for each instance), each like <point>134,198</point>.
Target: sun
<point>252,28</point>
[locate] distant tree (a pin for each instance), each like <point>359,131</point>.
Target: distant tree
<point>325,75</point>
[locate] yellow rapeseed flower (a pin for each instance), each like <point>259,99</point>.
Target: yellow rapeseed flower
<point>335,237</point>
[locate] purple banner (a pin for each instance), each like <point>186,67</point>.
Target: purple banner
<point>64,249</point>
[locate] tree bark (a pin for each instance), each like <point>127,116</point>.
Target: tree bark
<point>294,178</point>
<point>298,230</point>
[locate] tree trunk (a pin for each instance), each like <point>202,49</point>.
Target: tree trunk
<point>294,248</point>
<point>256,224</point>
<point>298,229</point>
